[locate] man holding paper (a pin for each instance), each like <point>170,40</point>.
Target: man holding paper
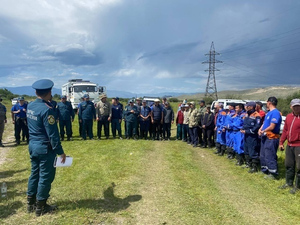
<point>44,145</point>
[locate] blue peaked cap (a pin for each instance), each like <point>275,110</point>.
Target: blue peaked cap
<point>43,84</point>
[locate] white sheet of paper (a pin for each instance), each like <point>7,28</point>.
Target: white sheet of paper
<point>68,162</point>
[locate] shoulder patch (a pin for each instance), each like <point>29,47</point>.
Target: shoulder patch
<point>51,120</point>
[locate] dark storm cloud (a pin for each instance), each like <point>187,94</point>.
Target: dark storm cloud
<point>78,57</point>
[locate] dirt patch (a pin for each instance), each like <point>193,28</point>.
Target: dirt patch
<point>8,142</point>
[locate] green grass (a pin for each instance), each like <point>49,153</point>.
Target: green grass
<point>146,182</point>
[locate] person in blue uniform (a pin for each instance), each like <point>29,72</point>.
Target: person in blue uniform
<point>145,116</point>
<point>238,136</point>
<point>229,133</point>
<point>220,131</point>
<point>19,119</point>
<point>116,117</point>
<point>86,115</point>
<point>66,116</point>
<point>269,133</point>
<point>44,145</point>
<point>131,113</point>
<point>252,123</point>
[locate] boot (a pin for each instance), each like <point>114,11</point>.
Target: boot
<point>297,185</point>
<point>254,167</point>
<point>248,163</point>
<point>223,148</point>
<point>42,208</point>
<point>31,204</point>
<point>218,146</point>
<point>240,161</point>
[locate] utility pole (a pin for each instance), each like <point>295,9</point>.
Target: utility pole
<point>211,87</point>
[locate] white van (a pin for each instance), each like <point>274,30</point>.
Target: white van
<point>226,102</point>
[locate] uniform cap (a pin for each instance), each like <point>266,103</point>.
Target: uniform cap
<point>86,96</point>
<point>157,100</point>
<point>138,99</point>
<point>295,102</point>
<point>192,103</point>
<point>251,104</point>
<point>202,101</point>
<point>182,105</point>
<point>117,98</point>
<point>43,84</point>
<point>21,98</point>
<point>63,96</point>
<point>131,101</point>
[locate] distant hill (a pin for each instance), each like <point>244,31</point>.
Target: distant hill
<point>28,90</point>
<point>251,94</point>
<point>255,94</point>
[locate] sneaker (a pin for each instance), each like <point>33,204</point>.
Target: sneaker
<point>285,186</point>
<point>121,138</point>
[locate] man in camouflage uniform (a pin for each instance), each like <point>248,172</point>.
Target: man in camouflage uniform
<point>103,114</point>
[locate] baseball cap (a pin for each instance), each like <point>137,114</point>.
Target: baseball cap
<point>21,98</point>
<point>131,101</point>
<point>86,96</point>
<point>295,102</point>
<point>252,104</point>
<point>63,96</point>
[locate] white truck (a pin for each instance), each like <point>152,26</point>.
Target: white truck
<point>76,88</point>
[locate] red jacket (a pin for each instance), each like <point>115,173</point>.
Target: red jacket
<point>180,117</point>
<point>291,130</point>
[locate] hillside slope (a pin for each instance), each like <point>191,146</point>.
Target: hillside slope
<point>256,93</point>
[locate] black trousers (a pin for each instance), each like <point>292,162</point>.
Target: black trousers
<point>156,129</point>
<point>167,130</point>
<point>21,125</point>
<point>292,164</point>
<point>103,123</point>
<point>208,137</point>
<point>200,135</point>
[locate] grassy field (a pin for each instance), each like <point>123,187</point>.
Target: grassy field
<point>146,182</point>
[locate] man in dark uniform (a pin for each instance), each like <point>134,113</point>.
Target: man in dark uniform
<point>131,113</point>
<point>3,120</point>
<point>157,119</point>
<point>86,114</point>
<point>19,119</point>
<point>208,127</point>
<point>252,123</point>
<point>66,116</point>
<point>44,145</point>
<point>202,111</point>
<point>144,120</point>
<point>138,104</point>
<point>116,117</point>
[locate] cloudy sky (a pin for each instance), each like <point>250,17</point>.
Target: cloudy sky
<point>149,46</point>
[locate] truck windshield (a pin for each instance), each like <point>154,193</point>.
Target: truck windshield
<point>84,88</point>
